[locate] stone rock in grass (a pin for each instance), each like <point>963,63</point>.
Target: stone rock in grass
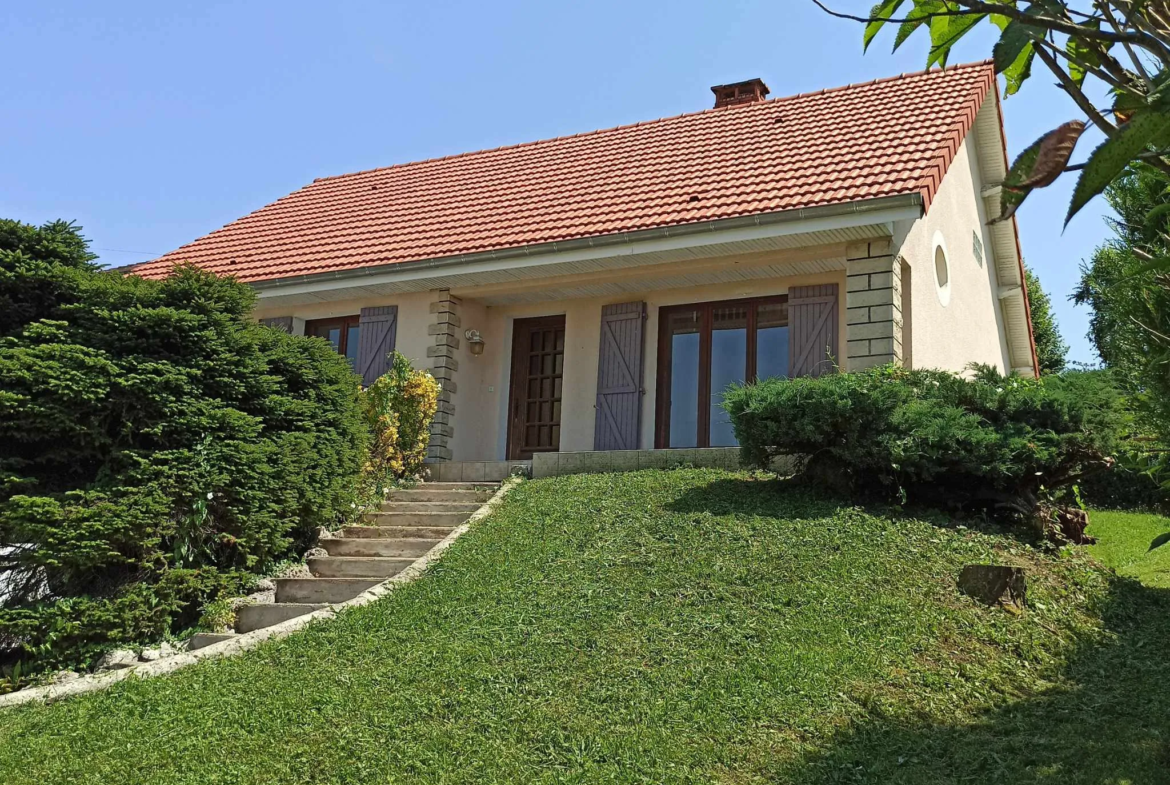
<point>264,584</point>
<point>995,584</point>
<point>116,660</point>
<point>64,677</point>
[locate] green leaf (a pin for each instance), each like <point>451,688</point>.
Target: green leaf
<point>1080,49</point>
<point>944,32</point>
<point>1158,216</point>
<point>1159,97</point>
<point>1115,153</point>
<point>1019,71</point>
<point>917,17</point>
<point>1015,38</point>
<point>884,8</point>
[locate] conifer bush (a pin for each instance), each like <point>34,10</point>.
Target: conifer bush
<point>157,446</point>
<point>1005,444</point>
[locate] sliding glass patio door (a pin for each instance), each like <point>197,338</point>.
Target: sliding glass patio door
<point>703,348</point>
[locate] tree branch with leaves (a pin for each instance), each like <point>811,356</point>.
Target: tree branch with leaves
<point>1124,44</point>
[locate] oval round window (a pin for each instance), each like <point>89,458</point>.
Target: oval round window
<point>942,274</point>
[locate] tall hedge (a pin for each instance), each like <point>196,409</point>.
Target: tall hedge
<point>156,446</point>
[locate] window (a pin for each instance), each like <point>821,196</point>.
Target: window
<point>342,332</point>
<point>703,348</point>
<point>942,270</point>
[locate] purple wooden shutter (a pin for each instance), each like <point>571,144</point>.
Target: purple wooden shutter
<point>283,323</point>
<point>812,330</point>
<point>619,377</point>
<point>376,337</point>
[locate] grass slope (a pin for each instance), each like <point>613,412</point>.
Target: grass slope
<point>683,626</point>
<point>1137,545</point>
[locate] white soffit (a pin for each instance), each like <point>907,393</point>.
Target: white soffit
<point>681,280</point>
<point>1004,249</point>
<point>525,270</point>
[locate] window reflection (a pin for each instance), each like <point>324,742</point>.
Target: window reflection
<point>683,328</point>
<point>772,340</point>
<point>728,365</point>
<point>351,344</point>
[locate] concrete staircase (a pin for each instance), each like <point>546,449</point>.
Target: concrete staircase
<point>408,525</point>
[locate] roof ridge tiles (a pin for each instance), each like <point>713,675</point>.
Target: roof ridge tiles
<point>625,126</point>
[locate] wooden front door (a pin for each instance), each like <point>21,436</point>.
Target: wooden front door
<point>534,405</point>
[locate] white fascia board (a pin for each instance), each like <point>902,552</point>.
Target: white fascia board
<point>687,237</point>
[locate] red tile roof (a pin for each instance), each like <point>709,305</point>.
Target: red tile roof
<point>884,138</point>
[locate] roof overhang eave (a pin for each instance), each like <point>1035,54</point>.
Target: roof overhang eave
<point>880,210</point>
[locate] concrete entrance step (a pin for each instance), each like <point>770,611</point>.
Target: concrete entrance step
<point>321,590</point>
<point>425,493</point>
<point>453,486</point>
<point>357,566</point>
<point>202,640</point>
<point>417,518</point>
<point>411,523</point>
<point>398,532</point>
<point>362,546</point>
<point>406,506</point>
<point>257,617</point>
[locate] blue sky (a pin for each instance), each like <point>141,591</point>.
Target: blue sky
<point>151,123</point>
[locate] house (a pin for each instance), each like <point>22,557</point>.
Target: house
<point>599,291</point>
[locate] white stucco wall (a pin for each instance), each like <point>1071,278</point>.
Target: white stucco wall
<point>970,327</point>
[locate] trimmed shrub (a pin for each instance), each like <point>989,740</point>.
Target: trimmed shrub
<point>398,408</point>
<point>1138,481</point>
<point>994,442</point>
<point>156,446</point>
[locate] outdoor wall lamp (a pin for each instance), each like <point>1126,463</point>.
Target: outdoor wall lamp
<point>474,342</point>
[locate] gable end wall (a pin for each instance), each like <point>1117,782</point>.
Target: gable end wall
<point>970,328</point>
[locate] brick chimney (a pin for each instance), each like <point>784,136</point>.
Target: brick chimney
<point>749,92</point>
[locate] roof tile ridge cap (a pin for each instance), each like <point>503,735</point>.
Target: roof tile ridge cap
<point>879,80</point>
<point>663,119</point>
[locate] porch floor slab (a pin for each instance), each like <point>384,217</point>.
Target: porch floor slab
<point>475,471</point>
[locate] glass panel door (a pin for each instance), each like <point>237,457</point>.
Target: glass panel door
<point>351,343</point>
<point>342,332</point>
<point>683,328</point>
<point>333,335</point>
<point>702,349</point>
<point>772,340</point>
<point>729,337</point>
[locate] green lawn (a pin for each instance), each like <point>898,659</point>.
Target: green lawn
<point>1137,545</point>
<point>682,626</point>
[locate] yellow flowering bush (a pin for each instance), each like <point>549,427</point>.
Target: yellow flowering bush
<point>399,407</point>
